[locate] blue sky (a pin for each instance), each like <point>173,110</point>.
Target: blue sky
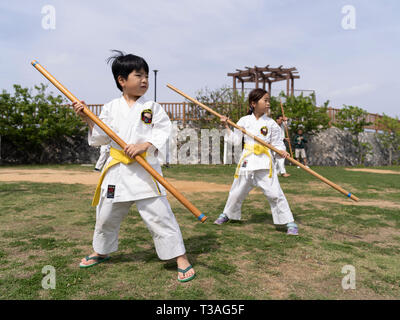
<point>194,44</point>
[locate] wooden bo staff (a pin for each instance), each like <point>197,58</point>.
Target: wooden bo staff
<point>260,141</point>
<point>196,212</point>
<point>287,131</point>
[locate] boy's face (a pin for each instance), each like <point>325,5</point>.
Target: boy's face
<point>136,84</point>
<point>279,120</point>
<point>300,132</point>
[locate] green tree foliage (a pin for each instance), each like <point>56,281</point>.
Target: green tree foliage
<point>225,101</point>
<point>29,122</point>
<point>353,119</point>
<point>390,136</point>
<point>302,112</point>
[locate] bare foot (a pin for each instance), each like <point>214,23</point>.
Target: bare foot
<point>183,263</point>
<point>285,175</point>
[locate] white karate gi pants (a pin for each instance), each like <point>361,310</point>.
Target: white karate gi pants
<point>158,217</point>
<point>280,166</point>
<point>271,188</point>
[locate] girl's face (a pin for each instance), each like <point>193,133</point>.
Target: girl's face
<point>262,105</point>
<point>136,84</point>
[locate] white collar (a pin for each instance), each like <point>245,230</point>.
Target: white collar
<point>263,117</point>
<point>141,100</point>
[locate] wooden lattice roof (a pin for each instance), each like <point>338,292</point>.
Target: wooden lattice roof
<point>263,75</point>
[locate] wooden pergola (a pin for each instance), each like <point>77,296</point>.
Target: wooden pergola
<point>263,75</point>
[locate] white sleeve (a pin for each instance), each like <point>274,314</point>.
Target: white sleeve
<point>161,127</point>
<point>276,137</point>
<point>236,137</point>
<point>97,136</point>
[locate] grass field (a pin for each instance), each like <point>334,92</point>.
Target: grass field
<point>52,224</point>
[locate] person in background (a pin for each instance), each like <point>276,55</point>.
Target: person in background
<point>104,154</point>
<point>299,145</point>
<point>280,162</point>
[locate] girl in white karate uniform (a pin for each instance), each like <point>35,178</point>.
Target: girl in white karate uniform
<point>256,167</point>
<point>145,127</point>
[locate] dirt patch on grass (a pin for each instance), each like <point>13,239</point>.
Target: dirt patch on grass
<point>374,171</point>
<point>91,178</point>
<point>293,199</point>
<point>49,176</point>
<point>385,234</point>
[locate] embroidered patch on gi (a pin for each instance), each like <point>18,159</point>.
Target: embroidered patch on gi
<point>147,116</point>
<point>244,165</point>
<point>110,191</point>
<point>264,131</point>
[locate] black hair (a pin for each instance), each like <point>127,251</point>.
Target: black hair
<point>278,116</point>
<point>254,96</point>
<point>123,64</point>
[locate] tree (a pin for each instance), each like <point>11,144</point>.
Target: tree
<point>303,113</point>
<point>31,122</point>
<point>390,137</point>
<point>301,110</point>
<point>352,118</point>
<point>223,100</point>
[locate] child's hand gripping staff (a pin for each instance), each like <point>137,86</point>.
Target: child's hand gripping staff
<point>260,141</point>
<point>196,212</point>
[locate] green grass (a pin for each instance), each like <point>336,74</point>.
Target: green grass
<point>52,224</point>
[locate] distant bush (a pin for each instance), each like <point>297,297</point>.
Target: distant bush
<point>31,122</point>
<point>390,136</point>
<point>353,119</point>
<point>302,112</point>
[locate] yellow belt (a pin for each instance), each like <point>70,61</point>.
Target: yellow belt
<point>256,149</point>
<point>118,156</point>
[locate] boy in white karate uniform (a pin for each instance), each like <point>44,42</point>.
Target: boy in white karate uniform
<point>256,167</point>
<point>145,127</point>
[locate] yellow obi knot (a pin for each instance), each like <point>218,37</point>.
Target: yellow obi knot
<point>117,157</point>
<point>256,149</point>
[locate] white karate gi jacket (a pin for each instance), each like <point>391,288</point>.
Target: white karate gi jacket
<point>256,127</point>
<point>133,125</point>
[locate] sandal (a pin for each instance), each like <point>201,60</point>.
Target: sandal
<point>184,271</point>
<point>98,260</point>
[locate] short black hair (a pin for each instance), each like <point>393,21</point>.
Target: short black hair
<point>123,64</point>
<point>278,116</point>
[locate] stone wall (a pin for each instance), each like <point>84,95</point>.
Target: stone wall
<point>332,147</point>
<point>73,150</point>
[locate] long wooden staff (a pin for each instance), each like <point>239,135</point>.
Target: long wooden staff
<point>287,131</point>
<point>330,183</point>
<point>196,212</point>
